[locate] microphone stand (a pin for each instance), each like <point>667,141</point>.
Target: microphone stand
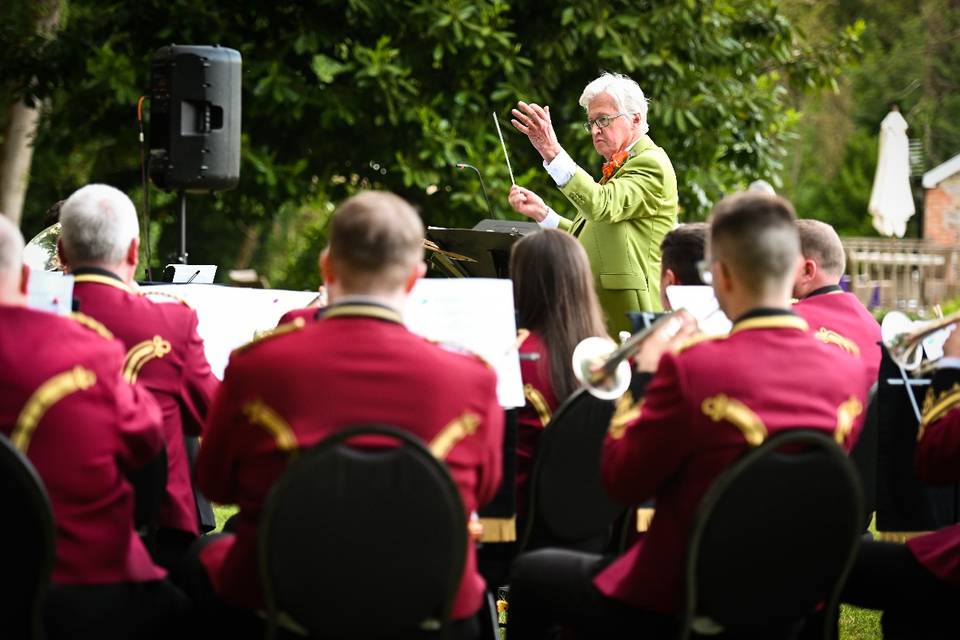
<point>483,187</point>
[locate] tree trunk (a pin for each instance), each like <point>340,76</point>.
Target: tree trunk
<point>16,156</point>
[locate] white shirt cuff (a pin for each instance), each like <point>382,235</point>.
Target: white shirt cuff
<point>947,362</point>
<point>561,168</point>
<point>552,221</point>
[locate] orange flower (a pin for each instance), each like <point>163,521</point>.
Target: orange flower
<point>609,168</point>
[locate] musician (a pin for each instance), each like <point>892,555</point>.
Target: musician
<point>357,364</point>
<point>621,218</point>
<point>65,405</point>
<point>99,244</point>
<point>556,308</point>
<point>917,584</point>
<point>681,250</point>
<point>689,415</point>
<point>835,316</point>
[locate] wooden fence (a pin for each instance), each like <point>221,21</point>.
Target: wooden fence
<point>902,274</point>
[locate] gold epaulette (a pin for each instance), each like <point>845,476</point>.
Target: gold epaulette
<point>287,327</point>
<point>695,340</point>
<point>90,323</point>
<point>828,336</point>
<point>164,294</point>
<point>937,405</point>
<point>522,335</point>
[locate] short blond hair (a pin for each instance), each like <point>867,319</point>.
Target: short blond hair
<point>819,242</point>
<point>376,238</point>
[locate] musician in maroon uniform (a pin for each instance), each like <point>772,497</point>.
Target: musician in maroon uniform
<point>917,584</point>
<point>66,406</point>
<point>835,316</point>
<point>99,244</point>
<point>678,428</point>
<point>681,250</point>
<point>557,307</point>
<point>357,364</point>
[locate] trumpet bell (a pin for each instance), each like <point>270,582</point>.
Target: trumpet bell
<point>587,355</point>
<point>40,254</point>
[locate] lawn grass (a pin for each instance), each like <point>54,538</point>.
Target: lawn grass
<point>855,623</point>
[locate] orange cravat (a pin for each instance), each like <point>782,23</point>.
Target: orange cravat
<point>609,168</point>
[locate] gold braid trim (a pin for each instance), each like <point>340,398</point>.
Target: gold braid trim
<point>90,323</point>
<point>452,434</point>
<point>259,414</point>
<point>538,402</point>
<point>827,336</point>
<point>644,519</point>
<point>287,327</point>
<point>937,405</point>
<point>722,407</point>
<point>146,293</point>
<point>46,395</point>
<point>499,529</point>
<point>847,414</point>
<point>142,353</point>
<point>625,415</point>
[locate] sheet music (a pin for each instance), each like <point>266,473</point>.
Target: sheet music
<point>50,291</point>
<point>702,303</point>
<point>476,314</point>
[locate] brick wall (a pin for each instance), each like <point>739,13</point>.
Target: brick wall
<point>941,221</point>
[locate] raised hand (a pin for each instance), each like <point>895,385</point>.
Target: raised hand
<point>527,203</point>
<point>533,121</point>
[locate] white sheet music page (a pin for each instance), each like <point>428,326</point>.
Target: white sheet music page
<point>476,314</point>
<point>702,303</point>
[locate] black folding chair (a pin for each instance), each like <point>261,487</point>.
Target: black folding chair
<point>773,540</point>
<point>359,542</point>
<point>568,506</point>
<point>29,537</point>
<point>864,456</point>
<point>149,484</point>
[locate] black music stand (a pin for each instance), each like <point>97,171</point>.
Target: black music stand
<point>481,252</point>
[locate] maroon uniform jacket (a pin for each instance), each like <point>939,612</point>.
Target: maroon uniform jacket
<point>66,406</point>
<point>706,406</point>
<point>165,354</point>
<point>536,413</point>
<point>358,364</point>
<point>937,460</point>
<point>307,313</point>
<point>839,318</point>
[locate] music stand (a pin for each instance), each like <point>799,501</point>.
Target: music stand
<point>481,252</point>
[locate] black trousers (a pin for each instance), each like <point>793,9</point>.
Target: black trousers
<point>115,611</point>
<point>214,618</point>
<point>552,590</point>
<point>916,604</point>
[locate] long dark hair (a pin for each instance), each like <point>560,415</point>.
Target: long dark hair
<point>554,294</point>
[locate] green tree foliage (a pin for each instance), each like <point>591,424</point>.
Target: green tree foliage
<point>350,94</point>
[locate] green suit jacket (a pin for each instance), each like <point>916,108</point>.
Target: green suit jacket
<point>621,224</point>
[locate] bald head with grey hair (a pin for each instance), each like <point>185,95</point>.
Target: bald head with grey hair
<point>98,227</point>
<point>626,94</point>
<point>12,282</point>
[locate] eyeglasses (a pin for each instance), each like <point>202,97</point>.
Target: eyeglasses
<point>703,269</point>
<point>601,121</point>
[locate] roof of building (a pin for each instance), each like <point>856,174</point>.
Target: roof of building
<point>940,173</point>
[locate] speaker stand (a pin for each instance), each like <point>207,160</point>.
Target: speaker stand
<point>182,258</point>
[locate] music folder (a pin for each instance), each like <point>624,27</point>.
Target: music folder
<point>481,252</point>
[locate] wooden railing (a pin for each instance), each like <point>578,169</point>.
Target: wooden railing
<point>902,274</point>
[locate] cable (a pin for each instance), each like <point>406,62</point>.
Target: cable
<point>144,186</point>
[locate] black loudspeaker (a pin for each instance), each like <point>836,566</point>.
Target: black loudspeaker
<point>195,118</point>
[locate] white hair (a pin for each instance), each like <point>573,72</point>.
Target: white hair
<point>98,224</point>
<point>626,94</point>
<point>11,248</point>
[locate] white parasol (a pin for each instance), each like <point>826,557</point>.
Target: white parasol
<point>891,200</point>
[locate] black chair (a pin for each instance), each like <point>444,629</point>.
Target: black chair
<point>29,537</point>
<point>149,484</point>
<point>568,506</point>
<point>773,540</point>
<point>864,456</point>
<point>360,542</point>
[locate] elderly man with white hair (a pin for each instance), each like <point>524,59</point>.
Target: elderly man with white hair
<point>620,218</point>
<point>99,244</point>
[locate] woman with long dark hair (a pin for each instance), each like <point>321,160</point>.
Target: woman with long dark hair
<point>557,307</point>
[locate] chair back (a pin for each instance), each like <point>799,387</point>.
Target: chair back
<point>864,456</point>
<point>774,537</point>
<point>361,542</point>
<point>149,484</point>
<point>29,537</point>
<point>568,506</point>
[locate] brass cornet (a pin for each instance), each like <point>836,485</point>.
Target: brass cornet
<point>601,366</point>
<point>906,348</point>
